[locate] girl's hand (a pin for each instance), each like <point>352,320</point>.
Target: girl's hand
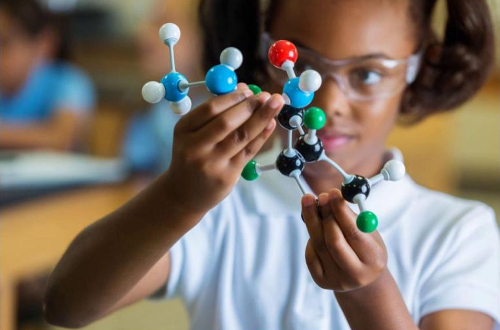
<point>338,255</point>
<point>213,142</point>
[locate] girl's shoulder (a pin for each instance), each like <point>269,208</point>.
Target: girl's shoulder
<point>437,205</point>
<point>440,224</point>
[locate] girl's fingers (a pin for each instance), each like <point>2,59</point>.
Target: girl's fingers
<point>362,244</point>
<point>313,263</point>
<point>251,149</point>
<point>239,139</point>
<point>335,241</point>
<point>201,115</point>
<point>315,229</point>
<point>313,223</point>
<point>228,121</point>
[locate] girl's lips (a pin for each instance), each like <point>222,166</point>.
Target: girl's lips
<point>332,142</point>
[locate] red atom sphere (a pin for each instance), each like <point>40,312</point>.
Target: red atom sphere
<point>281,51</point>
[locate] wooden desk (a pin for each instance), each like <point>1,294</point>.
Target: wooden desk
<point>34,235</point>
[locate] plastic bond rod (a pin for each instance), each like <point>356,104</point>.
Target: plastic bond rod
<point>290,152</point>
<point>301,130</point>
<point>185,85</point>
<point>262,168</point>
<point>347,177</point>
<point>296,176</point>
<point>376,179</point>
<point>311,137</point>
<point>290,73</point>
<point>360,200</point>
<point>288,67</point>
<point>296,122</point>
<point>170,45</point>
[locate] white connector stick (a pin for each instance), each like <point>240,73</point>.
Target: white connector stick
<point>347,177</point>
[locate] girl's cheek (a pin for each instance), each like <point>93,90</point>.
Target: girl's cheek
<point>384,109</point>
<point>372,107</point>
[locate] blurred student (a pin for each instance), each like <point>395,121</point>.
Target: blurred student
<point>45,101</point>
<point>148,141</point>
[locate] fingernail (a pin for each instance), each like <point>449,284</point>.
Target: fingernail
<point>302,217</point>
<point>335,195</point>
<point>270,125</point>
<point>273,103</point>
<point>308,201</point>
<point>263,97</point>
<point>248,92</point>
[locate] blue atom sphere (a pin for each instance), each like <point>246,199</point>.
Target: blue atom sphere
<point>171,82</point>
<point>298,98</point>
<point>221,80</point>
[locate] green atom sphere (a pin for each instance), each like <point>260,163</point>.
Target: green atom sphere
<point>249,172</point>
<point>314,118</point>
<point>367,221</point>
<point>255,89</point>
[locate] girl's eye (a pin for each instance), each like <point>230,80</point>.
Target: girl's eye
<point>366,77</point>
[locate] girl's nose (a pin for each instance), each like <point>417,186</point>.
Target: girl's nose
<point>332,99</point>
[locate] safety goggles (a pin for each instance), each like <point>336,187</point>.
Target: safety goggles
<point>361,79</point>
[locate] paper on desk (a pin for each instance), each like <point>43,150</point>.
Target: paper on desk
<point>52,169</point>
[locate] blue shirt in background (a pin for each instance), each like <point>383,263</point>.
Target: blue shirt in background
<point>50,87</point>
<point>149,137</point>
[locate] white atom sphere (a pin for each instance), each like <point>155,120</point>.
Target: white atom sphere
<point>181,107</point>
<point>395,170</point>
<point>231,57</point>
<point>310,81</point>
<point>170,31</point>
<point>287,99</point>
<point>153,92</point>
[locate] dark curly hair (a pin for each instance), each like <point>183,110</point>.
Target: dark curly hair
<point>452,70</point>
<point>34,18</point>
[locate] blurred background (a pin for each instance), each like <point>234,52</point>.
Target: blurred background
<point>84,151</point>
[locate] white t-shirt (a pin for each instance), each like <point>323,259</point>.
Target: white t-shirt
<point>243,265</point>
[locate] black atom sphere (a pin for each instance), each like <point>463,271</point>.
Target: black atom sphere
<point>286,165</point>
<point>311,153</point>
<point>358,185</point>
<point>288,112</point>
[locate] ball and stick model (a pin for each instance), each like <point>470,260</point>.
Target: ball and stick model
<point>298,93</point>
<point>174,87</point>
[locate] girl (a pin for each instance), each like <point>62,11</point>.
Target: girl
<point>235,252</point>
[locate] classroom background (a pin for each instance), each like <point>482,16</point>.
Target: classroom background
<point>47,197</point>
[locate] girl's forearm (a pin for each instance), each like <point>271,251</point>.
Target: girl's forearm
<point>110,256</point>
<point>376,306</point>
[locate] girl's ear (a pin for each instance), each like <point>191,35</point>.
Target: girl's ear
<point>453,69</point>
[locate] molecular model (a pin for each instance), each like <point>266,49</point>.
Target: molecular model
<point>174,87</point>
<point>299,93</point>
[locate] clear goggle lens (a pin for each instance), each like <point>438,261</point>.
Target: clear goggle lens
<point>360,79</point>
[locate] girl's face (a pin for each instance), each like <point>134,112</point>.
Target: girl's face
<point>355,131</point>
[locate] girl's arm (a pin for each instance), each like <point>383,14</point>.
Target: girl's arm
<point>117,260</point>
<point>123,257</point>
